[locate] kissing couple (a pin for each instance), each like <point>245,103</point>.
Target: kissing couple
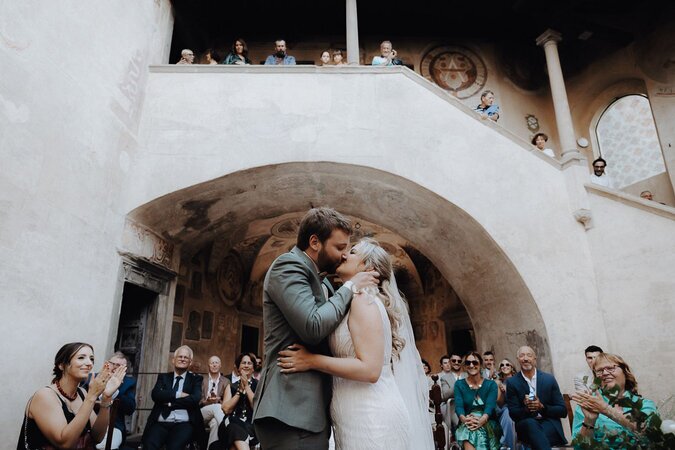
<point>344,356</point>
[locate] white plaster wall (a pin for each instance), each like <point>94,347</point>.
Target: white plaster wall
<point>200,123</point>
<point>633,248</point>
<point>70,92</point>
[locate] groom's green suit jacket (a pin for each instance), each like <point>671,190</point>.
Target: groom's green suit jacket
<point>295,310</point>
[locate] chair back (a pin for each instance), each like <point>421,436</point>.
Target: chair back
<point>111,423</point>
<point>438,426</point>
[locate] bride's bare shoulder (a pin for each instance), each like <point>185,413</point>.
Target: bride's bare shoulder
<point>364,304</point>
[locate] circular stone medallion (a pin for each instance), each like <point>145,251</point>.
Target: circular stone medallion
<point>458,70</point>
<point>230,279</point>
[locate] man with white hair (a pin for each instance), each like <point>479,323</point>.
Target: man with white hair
<point>213,389</point>
<point>187,56</point>
<point>175,419</point>
<point>535,403</point>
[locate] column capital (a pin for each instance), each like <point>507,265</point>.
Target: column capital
<point>548,36</point>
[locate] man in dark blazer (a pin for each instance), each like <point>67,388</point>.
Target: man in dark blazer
<point>175,420</point>
<point>535,404</point>
<point>291,410</point>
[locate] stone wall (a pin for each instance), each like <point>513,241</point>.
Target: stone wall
<point>73,79</point>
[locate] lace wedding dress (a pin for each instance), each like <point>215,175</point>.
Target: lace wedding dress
<point>368,416</point>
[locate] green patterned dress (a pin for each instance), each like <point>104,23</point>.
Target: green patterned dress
<point>486,437</point>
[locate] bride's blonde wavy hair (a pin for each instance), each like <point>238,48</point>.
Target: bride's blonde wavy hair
<point>376,258</point>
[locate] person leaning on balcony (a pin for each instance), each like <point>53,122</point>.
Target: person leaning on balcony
<point>338,58</point>
<point>187,56</point>
<point>209,57</point>
<point>594,417</point>
<point>487,107</point>
<point>539,140</point>
<point>239,54</point>
<point>280,57</point>
<point>387,56</point>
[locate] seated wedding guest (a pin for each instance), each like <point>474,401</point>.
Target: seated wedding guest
<point>489,372</point>
<point>325,58</point>
<point>209,57</point>
<point>506,370</point>
<point>338,58</point>
<point>594,417</point>
<point>535,403</point>
<point>451,371</point>
<point>239,54</point>
<point>257,364</point>
<point>238,405</point>
<point>427,372</point>
<point>487,107</point>
<point>213,388</point>
<point>187,56</point>
<point>126,394</point>
<point>175,419</point>
<point>62,415</point>
<point>583,381</point>
<point>539,140</point>
<point>475,405</point>
<point>279,57</point>
<point>387,56</point>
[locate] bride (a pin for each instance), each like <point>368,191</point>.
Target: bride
<point>380,394</point>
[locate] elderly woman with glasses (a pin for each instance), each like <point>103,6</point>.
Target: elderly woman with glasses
<point>476,403</point>
<point>595,417</point>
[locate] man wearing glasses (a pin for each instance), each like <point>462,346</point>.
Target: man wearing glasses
<point>175,420</point>
<point>535,404</point>
<point>451,372</point>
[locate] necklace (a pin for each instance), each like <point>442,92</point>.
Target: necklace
<point>473,386</point>
<point>62,392</point>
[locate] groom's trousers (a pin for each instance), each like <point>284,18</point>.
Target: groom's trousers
<point>276,435</point>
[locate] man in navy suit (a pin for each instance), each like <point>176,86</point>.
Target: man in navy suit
<point>535,404</point>
<point>175,420</point>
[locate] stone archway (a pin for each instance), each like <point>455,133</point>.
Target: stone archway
<point>500,305</point>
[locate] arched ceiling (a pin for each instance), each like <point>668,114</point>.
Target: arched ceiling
<point>466,256</point>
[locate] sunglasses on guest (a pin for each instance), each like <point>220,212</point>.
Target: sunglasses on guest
<point>505,365</point>
<point>471,363</point>
<point>456,361</point>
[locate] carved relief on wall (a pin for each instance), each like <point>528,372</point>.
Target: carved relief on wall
<point>229,280</point>
<point>143,242</point>
<point>458,70</point>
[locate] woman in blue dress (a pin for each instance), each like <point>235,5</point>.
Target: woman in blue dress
<point>475,405</point>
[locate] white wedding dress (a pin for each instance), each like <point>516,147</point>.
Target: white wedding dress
<point>368,416</point>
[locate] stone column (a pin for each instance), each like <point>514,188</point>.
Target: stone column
<point>549,40</point>
<point>352,33</point>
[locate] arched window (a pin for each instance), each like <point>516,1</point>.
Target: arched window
<point>628,141</point>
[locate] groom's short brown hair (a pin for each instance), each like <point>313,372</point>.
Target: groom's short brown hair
<point>321,221</point>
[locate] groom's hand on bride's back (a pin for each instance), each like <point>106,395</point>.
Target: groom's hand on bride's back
<point>363,280</point>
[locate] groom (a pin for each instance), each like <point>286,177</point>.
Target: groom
<point>300,306</point>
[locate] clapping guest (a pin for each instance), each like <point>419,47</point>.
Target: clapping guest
<point>238,406</point>
<point>239,54</point>
<point>475,404</point>
<point>594,417</point>
<point>325,58</point>
<point>388,56</point>
<point>213,388</point>
<point>62,414</point>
